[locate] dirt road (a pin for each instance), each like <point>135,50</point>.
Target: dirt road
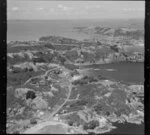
<point>48,120</point>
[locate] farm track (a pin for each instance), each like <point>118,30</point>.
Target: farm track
<point>49,119</point>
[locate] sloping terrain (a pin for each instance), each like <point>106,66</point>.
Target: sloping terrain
<point>44,84</point>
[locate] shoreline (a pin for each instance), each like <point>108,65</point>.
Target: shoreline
<point>91,64</point>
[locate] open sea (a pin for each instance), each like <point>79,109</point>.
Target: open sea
<point>23,30</point>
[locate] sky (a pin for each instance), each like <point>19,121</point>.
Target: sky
<point>52,10</point>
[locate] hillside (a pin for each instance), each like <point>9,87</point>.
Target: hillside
<point>45,85</point>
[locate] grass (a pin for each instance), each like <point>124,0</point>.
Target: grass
<point>11,99</point>
<point>20,78</point>
<point>24,48</point>
<point>74,93</point>
<point>101,108</point>
<point>58,98</point>
<point>116,102</point>
<point>17,59</point>
<point>71,55</point>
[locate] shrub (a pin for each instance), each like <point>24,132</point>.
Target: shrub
<point>17,70</point>
<point>79,103</point>
<point>16,132</point>
<point>30,94</point>
<point>91,125</point>
<point>70,123</point>
<point>35,60</point>
<point>91,133</point>
<point>33,121</point>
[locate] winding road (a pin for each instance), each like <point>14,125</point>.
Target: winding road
<point>56,111</point>
<point>39,75</point>
<point>48,120</point>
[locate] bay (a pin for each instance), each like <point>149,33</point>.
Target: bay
<point>123,72</point>
<point>127,129</point>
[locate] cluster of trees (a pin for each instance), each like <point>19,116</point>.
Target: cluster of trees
<point>17,59</point>
<point>71,55</point>
<point>19,70</point>
<point>130,34</point>
<point>20,77</point>
<point>102,108</point>
<point>34,80</point>
<point>80,82</point>
<point>91,125</point>
<point>70,66</point>
<point>49,58</point>
<point>79,103</point>
<point>30,94</point>
<point>74,120</point>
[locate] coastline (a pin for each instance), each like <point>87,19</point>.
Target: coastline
<point>76,92</point>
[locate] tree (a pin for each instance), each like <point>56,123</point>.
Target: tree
<point>91,125</point>
<point>31,95</point>
<point>33,121</point>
